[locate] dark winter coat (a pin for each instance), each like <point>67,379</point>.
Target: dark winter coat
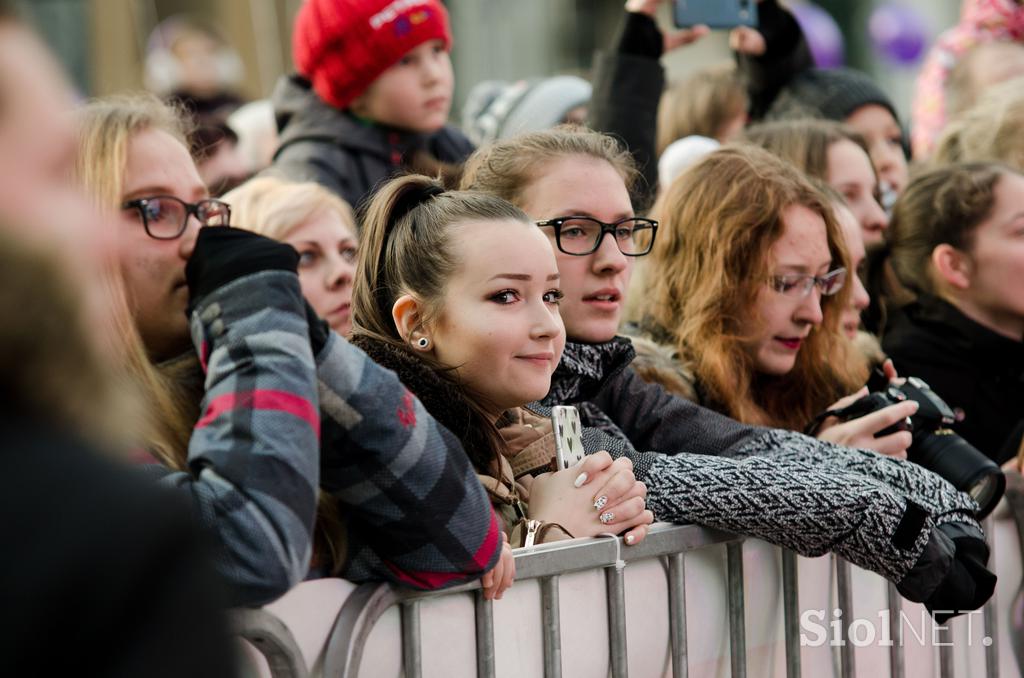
<point>975,370</point>
<point>349,156</point>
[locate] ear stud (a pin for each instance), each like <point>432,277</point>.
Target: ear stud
<point>423,342</point>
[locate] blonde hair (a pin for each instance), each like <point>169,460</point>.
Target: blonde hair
<point>274,207</point>
<point>702,104</point>
<point>708,264</point>
<point>507,168</point>
<point>105,129</point>
<point>990,131</point>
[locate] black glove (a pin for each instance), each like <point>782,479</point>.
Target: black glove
<point>319,330</point>
<point>969,583</point>
<point>223,255</point>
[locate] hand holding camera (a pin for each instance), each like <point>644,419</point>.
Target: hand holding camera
<point>933,444</point>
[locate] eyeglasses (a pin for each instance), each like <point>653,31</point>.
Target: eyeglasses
<point>165,217</point>
<point>799,285</point>
<point>580,236</point>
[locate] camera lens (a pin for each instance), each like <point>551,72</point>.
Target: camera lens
<point>967,469</point>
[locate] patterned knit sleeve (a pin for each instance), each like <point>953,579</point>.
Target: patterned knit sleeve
<point>414,510</point>
<point>253,456</point>
<point>775,488</point>
<point>914,482</point>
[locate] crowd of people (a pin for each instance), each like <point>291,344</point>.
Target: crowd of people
<point>344,365</point>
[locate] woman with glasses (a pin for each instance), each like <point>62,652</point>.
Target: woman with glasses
<point>293,447</point>
<point>747,284</point>
<point>698,465</point>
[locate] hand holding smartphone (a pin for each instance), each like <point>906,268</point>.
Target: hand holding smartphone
<point>568,436</point>
<point>715,13</point>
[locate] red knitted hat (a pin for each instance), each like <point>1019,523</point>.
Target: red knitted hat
<point>344,45</point>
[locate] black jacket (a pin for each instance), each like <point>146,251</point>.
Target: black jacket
<point>105,574</point>
<point>351,157</point>
<point>969,366</point>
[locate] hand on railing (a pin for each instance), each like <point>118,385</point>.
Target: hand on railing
<point>594,497</point>
<point>499,579</point>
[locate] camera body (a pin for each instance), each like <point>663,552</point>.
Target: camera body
<point>934,445</point>
<point>933,413</point>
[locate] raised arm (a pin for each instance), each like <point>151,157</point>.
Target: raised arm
<point>253,456</point>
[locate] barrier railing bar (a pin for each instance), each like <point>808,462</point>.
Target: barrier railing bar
<point>617,622</point>
<point>677,614</point>
<point>273,639</point>
<point>991,626</point>
<point>484,636</point>
<point>589,554</point>
<point>847,662</point>
<point>737,618</point>
<point>356,619</point>
<point>988,613</point>
<point>551,625</point>
<point>945,653</point>
<point>412,656</point>
<point>895,631</point>
<point>791,613</point>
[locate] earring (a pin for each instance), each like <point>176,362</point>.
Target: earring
<point>423,342</point>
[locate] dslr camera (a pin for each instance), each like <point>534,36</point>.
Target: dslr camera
<point>934,445</point>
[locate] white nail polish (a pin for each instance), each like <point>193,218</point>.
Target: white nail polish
<point>580,479</point>
<point>630,539</point>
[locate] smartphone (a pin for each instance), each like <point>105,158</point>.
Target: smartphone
<point>716,13</point>
<point>568,436</point>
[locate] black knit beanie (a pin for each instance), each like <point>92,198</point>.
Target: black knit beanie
<point>833,94</point>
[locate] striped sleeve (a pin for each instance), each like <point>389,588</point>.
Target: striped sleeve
<point>415,512</point>
<point>253,456</point>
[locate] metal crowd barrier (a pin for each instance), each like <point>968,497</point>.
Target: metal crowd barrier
<point>546,563</point>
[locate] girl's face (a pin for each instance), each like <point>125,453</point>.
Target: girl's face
<point>885,144</point>
<point>996,262</point>
<point>327,253</point>
<point>154,270</point>
<point>499,325</point>
<point>850,173</point>
<point>595,284</point>
<point>782,321</point>
<point>859,300</point>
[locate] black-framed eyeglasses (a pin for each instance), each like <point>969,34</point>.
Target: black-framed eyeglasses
<point>634,236</point>
<point>165,217</point>
<point>799,285</point>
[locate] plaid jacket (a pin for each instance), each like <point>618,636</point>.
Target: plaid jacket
<point>253,457</point>
<point>416,513</point>
<point>276,425</point>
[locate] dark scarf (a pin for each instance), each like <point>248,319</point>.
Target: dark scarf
<point>443,399</point>
<point>581,374</point>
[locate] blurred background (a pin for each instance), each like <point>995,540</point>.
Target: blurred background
<point>105,43</point>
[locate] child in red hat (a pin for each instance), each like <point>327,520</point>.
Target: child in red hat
<point>371,96</point>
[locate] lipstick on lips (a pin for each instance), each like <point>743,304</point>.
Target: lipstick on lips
<point>792,343</point>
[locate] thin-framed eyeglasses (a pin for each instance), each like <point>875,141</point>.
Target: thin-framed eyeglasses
<point>799,285</point>
<point>165,217</point>
<point>579,236</point>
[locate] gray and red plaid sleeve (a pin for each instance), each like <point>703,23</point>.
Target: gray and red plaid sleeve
<point>253,456</point>
<point>415,512</point>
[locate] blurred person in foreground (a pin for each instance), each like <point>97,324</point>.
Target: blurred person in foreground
<point>107,570</point>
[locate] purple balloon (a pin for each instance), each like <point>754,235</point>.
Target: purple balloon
<point>899,33</point>
<point>822,34</point>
